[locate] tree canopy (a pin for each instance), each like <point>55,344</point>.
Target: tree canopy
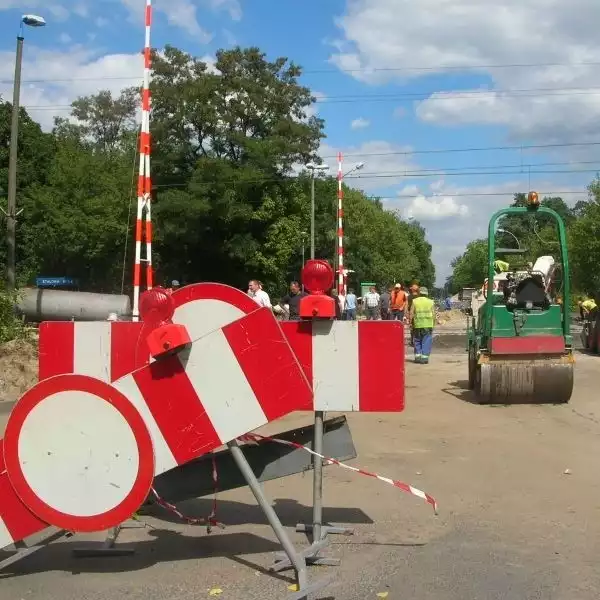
<point>230,200</point>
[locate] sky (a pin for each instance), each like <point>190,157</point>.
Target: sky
<point>452,105</point>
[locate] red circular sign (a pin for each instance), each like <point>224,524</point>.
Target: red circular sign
<point>35,398</point>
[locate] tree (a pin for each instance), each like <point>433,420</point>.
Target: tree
<point>105,122</point>
<point>470,269</point>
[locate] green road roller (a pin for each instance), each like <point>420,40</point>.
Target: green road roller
<point>518,336</point>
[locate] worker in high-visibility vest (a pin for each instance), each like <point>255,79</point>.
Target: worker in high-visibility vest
<point>422,318</point>
<point>587,308</point>
<point>501,266</point>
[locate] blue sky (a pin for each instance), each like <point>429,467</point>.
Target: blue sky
<point>404,87</point>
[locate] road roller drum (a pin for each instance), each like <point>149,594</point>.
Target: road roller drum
<point>539,381</point>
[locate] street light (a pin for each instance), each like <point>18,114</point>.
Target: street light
<point>312,167</point>
<point>356,167</point>
<point>11,213</point>
<point>500,230</point>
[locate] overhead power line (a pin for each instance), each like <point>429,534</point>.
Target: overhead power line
<point>315,71</point>
<point>432,95</point>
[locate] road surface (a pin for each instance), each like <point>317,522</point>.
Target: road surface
<point>519,519</point>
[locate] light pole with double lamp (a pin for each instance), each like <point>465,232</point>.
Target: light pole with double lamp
<point>312,167</point>
<point>11,209</point>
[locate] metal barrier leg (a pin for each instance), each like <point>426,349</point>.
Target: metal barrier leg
<point>22,550</point>
<point>318,530</point>
<point>296,559</point>
<point>108,546</point>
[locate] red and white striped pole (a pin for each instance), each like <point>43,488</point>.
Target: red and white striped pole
<point>144,187</point>
<point>340,227</point>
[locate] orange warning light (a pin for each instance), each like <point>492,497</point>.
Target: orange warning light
<point>533,199</point>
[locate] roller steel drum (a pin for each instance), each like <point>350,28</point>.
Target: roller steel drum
<point>535,381</point>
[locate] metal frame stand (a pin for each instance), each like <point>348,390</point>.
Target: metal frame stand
<point>22,550</point>
<point>319,531</point>
<point>295,559</point>
<point>108,546</point>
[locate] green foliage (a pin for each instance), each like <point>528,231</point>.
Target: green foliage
<point>227,203</point>
<point>11,326</point>
<point>470,269</point>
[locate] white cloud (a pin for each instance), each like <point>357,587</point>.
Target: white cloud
<point>64,75</point>
<point>360,123</point>
<point>434,209</point>
<point>65,38</point>
<point>401,40</point>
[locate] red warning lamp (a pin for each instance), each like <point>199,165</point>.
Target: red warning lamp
<point>533,200</point>
<point>317,278</point>
<point>157,310</point>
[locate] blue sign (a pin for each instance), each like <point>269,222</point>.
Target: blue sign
<point>55,281</point>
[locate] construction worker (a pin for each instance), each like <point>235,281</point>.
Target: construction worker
<point>413,293</point>
<point>398,303</point>
<point>587,308</point>
<point>501,266</point>
<point>422,318</point>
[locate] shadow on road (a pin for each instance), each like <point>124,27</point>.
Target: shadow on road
<point>460,389</point>
<point>290,512</point>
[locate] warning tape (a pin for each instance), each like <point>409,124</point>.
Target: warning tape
<point>405,487</point>
<point>210,521</point>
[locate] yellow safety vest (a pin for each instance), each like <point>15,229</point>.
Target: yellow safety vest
<point>501,266</point>
<point>588,305</point>
<point>423,312</point>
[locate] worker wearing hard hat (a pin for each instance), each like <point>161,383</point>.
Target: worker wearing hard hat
<point>501,266</point>
<point>587,308</point>
<point>422,318</point>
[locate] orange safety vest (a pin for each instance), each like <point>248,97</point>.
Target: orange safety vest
<point>398,300</point>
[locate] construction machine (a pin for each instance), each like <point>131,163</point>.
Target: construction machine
<point>519,342</point>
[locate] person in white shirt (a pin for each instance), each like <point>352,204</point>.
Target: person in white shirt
<point>259,296</point>
<point>371,300</point>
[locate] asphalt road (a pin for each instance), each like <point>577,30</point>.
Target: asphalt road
<point>518,490</point>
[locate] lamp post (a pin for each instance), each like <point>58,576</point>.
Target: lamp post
<point>312,167</point>
<point>337,257</point>
<point>11,209</point>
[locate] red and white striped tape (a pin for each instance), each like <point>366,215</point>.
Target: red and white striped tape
<point>144,187</point>
<point>405,487</point>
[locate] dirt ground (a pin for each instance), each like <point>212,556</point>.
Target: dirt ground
<point>18,367</point>
<point>519,517</point>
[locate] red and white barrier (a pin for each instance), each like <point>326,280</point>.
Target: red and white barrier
<point>81,454</point>
<point>351,365</point>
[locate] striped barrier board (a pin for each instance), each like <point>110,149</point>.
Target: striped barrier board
<point>81,454</point>
<point>352,365</point>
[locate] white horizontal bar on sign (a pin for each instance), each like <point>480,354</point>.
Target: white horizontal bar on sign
<point>335,365</point>
<point>222,387</point>
<point>92,352</point>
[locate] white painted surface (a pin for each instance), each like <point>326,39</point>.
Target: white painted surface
<point>335,365</point>
<point>92,355</point>
<point>222,387</point>
<point>5,537</point>
<point>203,316</point>
<point>78,453</point>
<point>163,457</point>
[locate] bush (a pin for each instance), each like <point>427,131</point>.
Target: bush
<point>11,325</point>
